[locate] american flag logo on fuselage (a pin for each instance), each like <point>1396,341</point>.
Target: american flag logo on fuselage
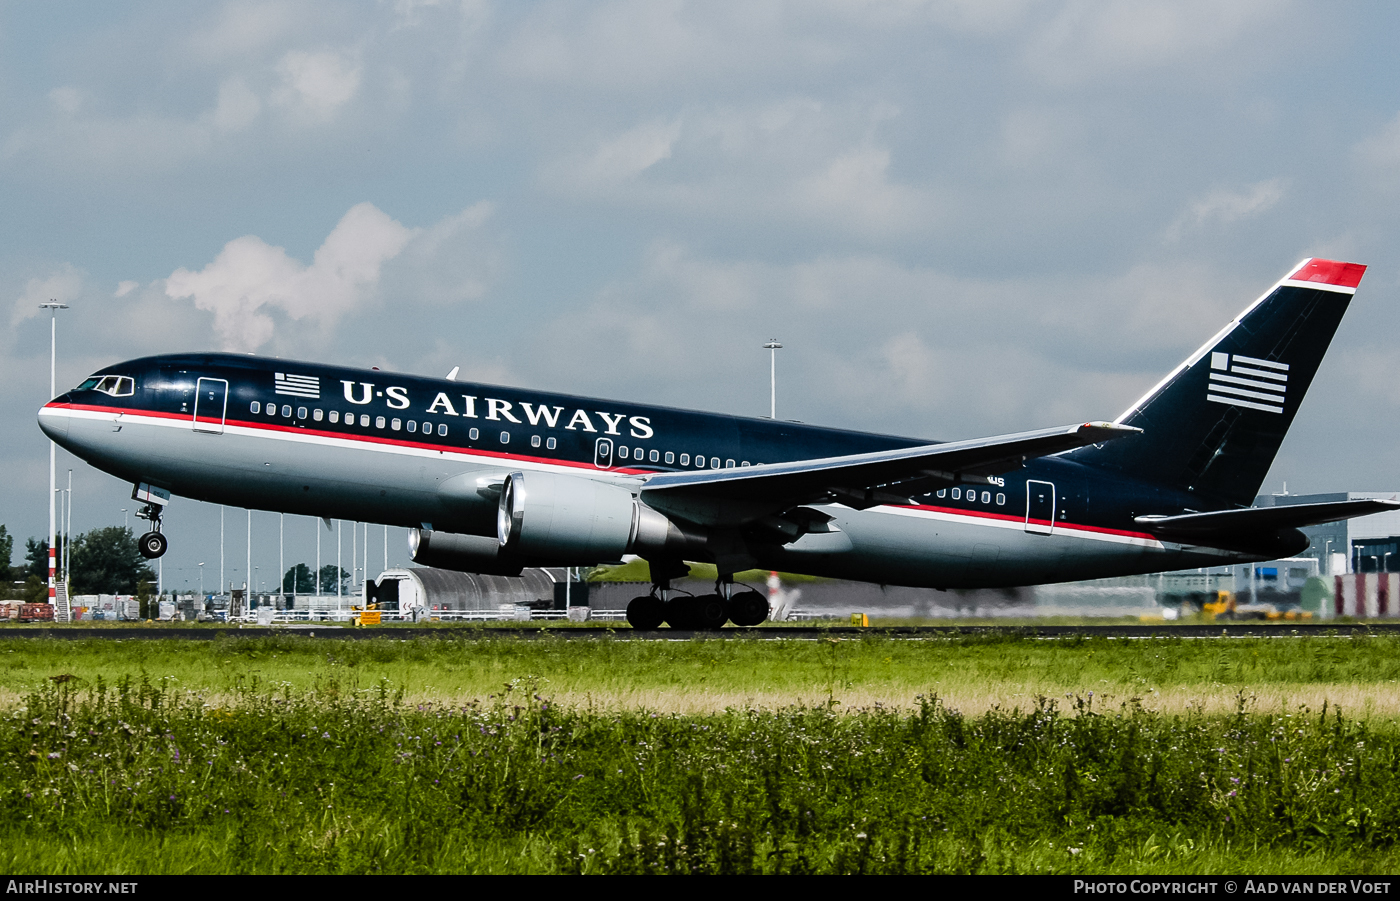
<point>1247,382</point>
<point>298,385</point>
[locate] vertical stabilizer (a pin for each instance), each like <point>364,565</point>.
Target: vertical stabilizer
<point>1213,426</point>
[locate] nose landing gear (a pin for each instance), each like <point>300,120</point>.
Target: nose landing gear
<point>153,543</point>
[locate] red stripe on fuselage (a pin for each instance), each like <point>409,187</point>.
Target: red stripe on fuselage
<point>1011,517</point>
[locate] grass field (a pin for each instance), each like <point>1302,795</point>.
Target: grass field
<point>974,754</point>
<point>971,674</point>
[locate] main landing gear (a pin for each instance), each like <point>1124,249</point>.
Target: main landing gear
<point>705,612</point>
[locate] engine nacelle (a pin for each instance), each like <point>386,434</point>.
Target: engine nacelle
<point>564,518</point>
<point>464,553</point>
<point>569,520</point>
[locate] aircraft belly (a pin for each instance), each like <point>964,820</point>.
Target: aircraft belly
<point>904,546</point>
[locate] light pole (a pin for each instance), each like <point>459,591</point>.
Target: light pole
<point>772,347</point>
<point>201,583</point>
<point>126,520</point>
<point>68,527</point>
<point>53,306</point>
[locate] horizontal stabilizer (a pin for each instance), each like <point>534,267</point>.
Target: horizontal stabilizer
<point>1258,519</point>
<point>861,480</point>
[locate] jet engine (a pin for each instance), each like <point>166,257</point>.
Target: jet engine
<point>565,519</point>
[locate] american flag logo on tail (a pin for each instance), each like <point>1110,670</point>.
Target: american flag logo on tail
<point>1242,381</point>
<point>308,386</point>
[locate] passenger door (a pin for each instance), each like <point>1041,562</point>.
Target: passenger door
<point>1040,507</point>
<point>210,405</point>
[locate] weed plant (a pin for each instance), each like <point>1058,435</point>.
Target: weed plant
<point>139,777</point>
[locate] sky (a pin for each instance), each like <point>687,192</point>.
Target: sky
<point>960,217</point>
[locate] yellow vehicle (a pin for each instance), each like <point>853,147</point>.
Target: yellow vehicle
<point>1225,606</point>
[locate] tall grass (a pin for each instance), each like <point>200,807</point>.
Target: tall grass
<point>140,777</point>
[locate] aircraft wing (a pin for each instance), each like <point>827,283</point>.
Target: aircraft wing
<point>734,496</point>
<point>1253,520</point>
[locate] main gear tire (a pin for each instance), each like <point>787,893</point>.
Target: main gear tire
<point>645,613</point>
<point>711,612</point>
<point>748,608</point>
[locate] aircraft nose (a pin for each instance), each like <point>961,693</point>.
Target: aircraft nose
<point>53,419</point>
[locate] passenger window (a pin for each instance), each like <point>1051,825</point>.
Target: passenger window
<point>505,437</point>
<point>473,434</point>
<point>534,440</point>
<point>442,429</point>
<point>413,425</point>
<point>286,411</point>
<point>396,424</point>
<point>943,492</point>
<point>427,428</point>
<point>655,456</point>
<point>957,494</point>
<point>1001,499</point>
<point>317,415</point>
<point>271,409</point>
<point>745,463</point>
<point>699,461</point>
<point>714,462</point>
<point>670,457</point>
<point>986,497</point>
<point>364,420</point>
<point>301,412</point>
<point>254,406</point>
<point>551,444</point>
<point>622,452</point>
<point>728,464</point>
<point>379,422</point>
<point>335,416</point>
<point>685,459</point>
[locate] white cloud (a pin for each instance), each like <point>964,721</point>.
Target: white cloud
<point>794,161</point>
<point>62,285</point>
<point>1093,38</point>
<point>242,28</point>
<point>126,287</point>
<point>318,83</point>
<point>67,100</point>
<point>1224,206</point>
<point>250,281</point>
<point>629,154</point>
<point>236,108</point>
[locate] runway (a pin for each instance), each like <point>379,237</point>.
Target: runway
<point>315,631</point>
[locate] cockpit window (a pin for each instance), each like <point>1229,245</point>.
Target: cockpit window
<point>114,385</point>
<point>88,384</point>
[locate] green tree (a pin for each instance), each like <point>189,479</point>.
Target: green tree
<point>7,550</point>
<point>328,578</point>
<point>36,557</point>
<point>305,581</point>
<point>106,561</point>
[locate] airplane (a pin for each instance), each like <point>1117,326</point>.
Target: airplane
<point>492,479</point>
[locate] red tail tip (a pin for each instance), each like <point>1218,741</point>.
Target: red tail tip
<point>1330,272</point>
